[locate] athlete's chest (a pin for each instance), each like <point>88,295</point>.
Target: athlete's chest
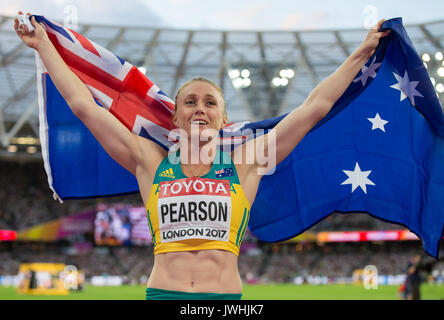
<point>194,207</point>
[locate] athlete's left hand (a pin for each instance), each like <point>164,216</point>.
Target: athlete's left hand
<point>368,47</point>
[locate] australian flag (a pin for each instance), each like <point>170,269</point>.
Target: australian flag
<point>380,150</point>
<point>224,172</point>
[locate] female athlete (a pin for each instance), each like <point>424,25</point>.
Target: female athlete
<point>198,198</point>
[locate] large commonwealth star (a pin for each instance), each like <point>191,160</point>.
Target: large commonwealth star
<point>358,178</point>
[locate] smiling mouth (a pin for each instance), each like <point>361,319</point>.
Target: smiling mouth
<point>199,123</point>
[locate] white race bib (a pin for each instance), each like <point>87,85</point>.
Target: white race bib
<point>194,208</point>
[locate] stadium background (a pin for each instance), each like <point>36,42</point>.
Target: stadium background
<point>262,74</point>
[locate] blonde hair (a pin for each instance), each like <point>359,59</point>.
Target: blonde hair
<point>202,79</point>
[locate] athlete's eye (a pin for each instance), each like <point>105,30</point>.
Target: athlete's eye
<point>189,102</point>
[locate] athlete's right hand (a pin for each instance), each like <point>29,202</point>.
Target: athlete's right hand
<point>34,38</point>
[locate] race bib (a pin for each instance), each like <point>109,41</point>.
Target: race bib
<point>194,208</point>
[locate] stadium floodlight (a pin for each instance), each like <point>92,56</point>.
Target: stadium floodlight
<point>440,88</point>
<point>12,148</point>
<point>245,73</point>
<point>284,82</point>
<point>441,72</point>
<point>286,73</point>
<point>142,69</point>
<point>439,56</point>
<point>246,82</point>
<point>238,83</point>
<point>276,81</point>
<point>234,73</point>
<point>426,57</point>
<point>31,149</point>
<point>25,140</point>
<point>433,80</point>
<point>290,73</point>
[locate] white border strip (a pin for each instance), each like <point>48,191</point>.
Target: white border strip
<point>43,124</point>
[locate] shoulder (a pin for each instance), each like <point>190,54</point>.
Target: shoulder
<point>245,169</point>
<point>149,158</point>
<point>252,156</point>
<point>151,154</point>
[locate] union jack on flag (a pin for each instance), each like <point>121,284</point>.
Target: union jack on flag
<point>116,84</point>
<point>379,151</point>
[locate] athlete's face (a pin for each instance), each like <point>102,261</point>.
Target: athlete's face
<point>200,106</point>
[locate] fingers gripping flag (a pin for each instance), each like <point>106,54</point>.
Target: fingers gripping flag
<point>380,149</point>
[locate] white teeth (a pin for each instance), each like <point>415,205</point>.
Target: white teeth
<point>198,122</point>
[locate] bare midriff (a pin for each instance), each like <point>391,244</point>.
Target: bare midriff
<point>211,271</point>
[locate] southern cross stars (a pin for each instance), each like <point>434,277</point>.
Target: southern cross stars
<point>406,87</point>
<point>358,178</point>
<point>377,122</point>
<point>367,72</point>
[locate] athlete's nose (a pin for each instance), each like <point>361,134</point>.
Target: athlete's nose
<point>200,109</point>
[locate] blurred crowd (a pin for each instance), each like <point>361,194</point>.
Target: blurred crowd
<point>134,263</point>
<point>260,263</point>
<point>339,260</point>
<point>26,200</point>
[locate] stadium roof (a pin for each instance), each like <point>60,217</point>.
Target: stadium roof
<point>172,56</point>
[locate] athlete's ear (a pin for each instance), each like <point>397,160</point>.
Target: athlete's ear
<point>173,120</point>
<point>224,122</point>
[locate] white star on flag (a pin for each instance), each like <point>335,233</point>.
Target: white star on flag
<point>367,72</point>
<point>358,178</point>
<point>406,87</point>
<point>377,122</point>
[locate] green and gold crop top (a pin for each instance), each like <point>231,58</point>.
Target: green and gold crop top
<point>197,213</point>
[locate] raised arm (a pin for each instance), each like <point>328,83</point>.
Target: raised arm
<point>119,142</point>
<point>290,130</point>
